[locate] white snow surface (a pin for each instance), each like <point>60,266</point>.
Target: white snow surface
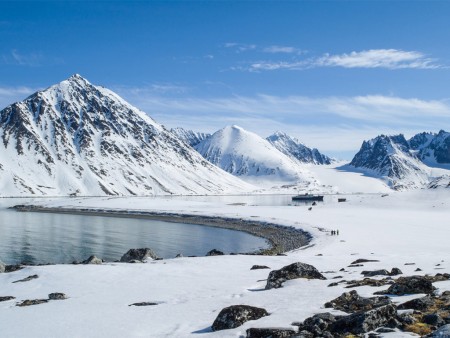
<point>407,227</point>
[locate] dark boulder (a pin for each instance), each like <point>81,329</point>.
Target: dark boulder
<point>57,296</point>
<point>259,267</point>
<point>433,319</point>
<point>236,315</point>
<point>138,255</point>
<point>269,333</point>
<point>13,267</point>
<point>92,260</point>
<point>352,302</point>
<point>409,285</point>
<point>421,304</point>
<point>317,325</point>
<point>215,252</point>
<point>29,302</point>
<point>382,272</point>
<point>395,272</point>
<point>362,322</point>
<point>293,271</point>
<point>363,260</point>
<point>6,298</point>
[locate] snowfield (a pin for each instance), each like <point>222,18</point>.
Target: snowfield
<point>407,227</point>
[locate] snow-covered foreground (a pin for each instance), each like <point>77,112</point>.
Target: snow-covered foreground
<point>401,228</point>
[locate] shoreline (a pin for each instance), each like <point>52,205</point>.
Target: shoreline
<point>280,238</point>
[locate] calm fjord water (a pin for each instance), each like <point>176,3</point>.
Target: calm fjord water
<point>58,238</point>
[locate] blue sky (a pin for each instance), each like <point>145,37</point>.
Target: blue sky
<point>331,73</point>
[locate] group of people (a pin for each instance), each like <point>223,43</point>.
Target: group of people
<point>334,232</point>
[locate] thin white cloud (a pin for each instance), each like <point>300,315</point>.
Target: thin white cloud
<point>280,49</point>
<point>9,95</point>
<point>374,58</point>
<point>240,47</point>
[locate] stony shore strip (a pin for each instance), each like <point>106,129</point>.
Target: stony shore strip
<point>281,238</point>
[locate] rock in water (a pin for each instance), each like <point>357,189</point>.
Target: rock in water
<point>236,315</point>
<point>214,252</point>
<point>352,302</point>
<point>271,332</point>
<point>293,271</point>
<point>92,260</point>
<point>138,254</point>
<point>57,296</point>
<point>409,285</point>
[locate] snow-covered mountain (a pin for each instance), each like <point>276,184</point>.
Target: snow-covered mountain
<point>432,149</point>
<point>403,163</point>
<point>190,137</point>
<point>247,155</point>
<point>296,150</point>
<point>77,138</point>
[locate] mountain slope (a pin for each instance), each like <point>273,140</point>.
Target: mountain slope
<point>398,161</point>
<point>251,157</point>
<point>296,150</point>
<point>77,138</point>
<point>190,137</point>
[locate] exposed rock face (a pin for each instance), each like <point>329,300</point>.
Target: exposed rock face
<point>138,255</point>
<point>271,332</point>
<point>421,304</point>
<point>293,271</point>
<point>236,315</point>
<point>409,285</point>
<point>352,302</point>
<point>57,296</point>
<point>92,260</point>
<point>215,252</point>
<point>363,322</point>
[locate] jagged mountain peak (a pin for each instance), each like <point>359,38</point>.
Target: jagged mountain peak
<point>78,138</point>
<point>296,150</point>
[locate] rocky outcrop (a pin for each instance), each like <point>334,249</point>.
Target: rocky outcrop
<point>138,255</point>
<point>443,331</point>
<point>92,260</point>
<point>421,304</point>
<point>215,252</point>
<point>6,298</point>
<point>236,315</point>
<point>259,267</point>
<point>409,285</point>
<point>271,332</point>
<point>352,302</point>
<point>382,272</point>
<point>293,271</point>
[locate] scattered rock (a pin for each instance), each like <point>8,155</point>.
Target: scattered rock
<point>421,304</point>
<point>215,252</point>
<point>13,267</point>
<point>395,272</point>
<point>317,325</point>
<point>236,315</point>
<point>410,263</point>
<point>382,272</point>
<point>418,269</point>
<point>179,255</point>
<point>29,302</point>
<point>259,267</point>
<point>409,285</point>
<point>92,260</point>
<point>443,331</point>
<point>293,271</point>
<point>138,254</point>
<point>352,302</point>
<point>26,279</point>
<point>271,332</point>
<point>368,282</point>
<point>433,319</point>
<point>363,260</point>
<point>362,322</point>
<point>5,298</point>
<point>355,265</point>
<point>57,296</point>
<point>385,330</point>
<point>144,304</point>
<point>439,277</point>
